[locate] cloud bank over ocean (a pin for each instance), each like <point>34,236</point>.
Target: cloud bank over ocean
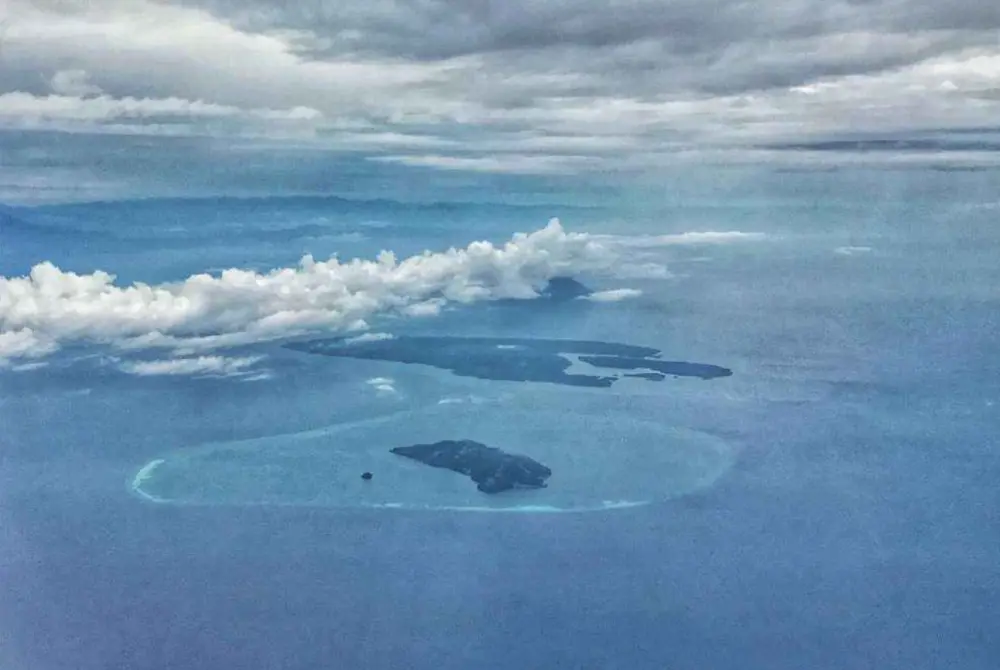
<point>51,307</point>
<point>211,366</point>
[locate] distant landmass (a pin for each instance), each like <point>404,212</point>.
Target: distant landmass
<point>517,359</point>
<point>564,288</point>
<point>492,469</point>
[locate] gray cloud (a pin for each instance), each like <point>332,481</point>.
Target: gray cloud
<point>640,42</point>
<point>504,86</point>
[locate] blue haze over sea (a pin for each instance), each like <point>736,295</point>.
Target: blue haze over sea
<point>847,520</point>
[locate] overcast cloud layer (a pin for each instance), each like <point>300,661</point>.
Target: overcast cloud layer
<point>511,86</point>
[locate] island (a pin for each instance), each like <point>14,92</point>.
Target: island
<point>517,359</point>
<point>560,289</point>
<point>492,469</point>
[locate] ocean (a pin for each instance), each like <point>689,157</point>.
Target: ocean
<point>823,497</point>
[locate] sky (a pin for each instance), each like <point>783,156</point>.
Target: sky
<point>486,87</point>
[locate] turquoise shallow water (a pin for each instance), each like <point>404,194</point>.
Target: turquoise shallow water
<point>599,460</point>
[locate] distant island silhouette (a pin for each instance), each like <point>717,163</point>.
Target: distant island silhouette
<point>516,359</point>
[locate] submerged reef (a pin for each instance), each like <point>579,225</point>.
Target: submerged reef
<point>599,453</point>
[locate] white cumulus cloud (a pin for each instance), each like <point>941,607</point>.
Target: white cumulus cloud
<point>614,295</point>
<point>23,343</point>
<point>51,306</point>
<point>215,366</point>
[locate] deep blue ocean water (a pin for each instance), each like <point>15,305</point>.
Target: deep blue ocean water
<point>855,526</point>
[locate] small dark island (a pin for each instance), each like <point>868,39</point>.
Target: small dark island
<point>492,469</point>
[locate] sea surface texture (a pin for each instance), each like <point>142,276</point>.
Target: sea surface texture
<point>768,400</point>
